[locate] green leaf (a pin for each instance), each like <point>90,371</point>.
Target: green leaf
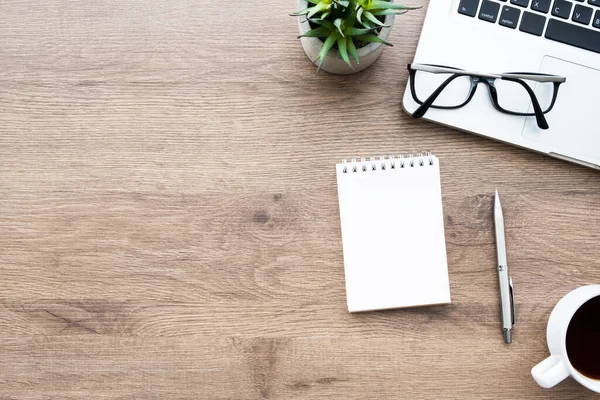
<point>317,32</point>
<point>373,19</point>
<point>343,3</point>
<point>369,25</point>
<point>388,12</point>
<point>372,39</point>
<point>325,15</point>
<point>303,12</point>
<point>326,23</point>
<point>380,4</point>
<point>338,24</point>
<point>352,48</point>
<point>360,31</point>
<point>320,7</point>
<point>350,18</point>
<point>313,11</point>
<point>359,15</point>
<point>327,45</point>
<point>313,1</point>
<point>341,42</point>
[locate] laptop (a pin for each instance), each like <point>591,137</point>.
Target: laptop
<point>560,37</point>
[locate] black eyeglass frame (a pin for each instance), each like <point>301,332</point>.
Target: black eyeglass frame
<point>488,80</point>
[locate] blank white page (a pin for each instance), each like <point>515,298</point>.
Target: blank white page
<point>393,233</point>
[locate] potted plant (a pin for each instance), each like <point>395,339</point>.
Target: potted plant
<point>346,36</point>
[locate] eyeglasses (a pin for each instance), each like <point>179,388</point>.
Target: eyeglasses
<point>515,93</point>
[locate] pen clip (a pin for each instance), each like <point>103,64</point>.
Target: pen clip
<point>512,299</point>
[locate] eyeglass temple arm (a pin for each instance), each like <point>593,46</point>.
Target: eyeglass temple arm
<point>536,77</point>
<point>539,114</point>
<point>434,69</point>
<point>419,112</point>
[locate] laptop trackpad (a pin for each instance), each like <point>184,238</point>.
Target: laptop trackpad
<point>575,119</point>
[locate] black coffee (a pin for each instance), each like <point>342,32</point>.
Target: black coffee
<point>583,339</point>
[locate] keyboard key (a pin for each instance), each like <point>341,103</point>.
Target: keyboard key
<point>574,35</point>
<point>522,3</point>
<point>594,2</point>
<point>489,11</point>
<point>582,14</point>
<point>562,8</point>
<point>468,7</point>
<point>510,16</point>
<point>532,23</point>
<point>596,23</point>
<point>541,5</point>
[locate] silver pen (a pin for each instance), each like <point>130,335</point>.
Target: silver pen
<point>506,284</point>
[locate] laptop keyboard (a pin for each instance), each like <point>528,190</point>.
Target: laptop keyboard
<point>575,23</point>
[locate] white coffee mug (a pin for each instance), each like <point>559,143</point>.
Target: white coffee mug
<point>557,367</point>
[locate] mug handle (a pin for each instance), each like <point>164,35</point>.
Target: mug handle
<point>550,372</point>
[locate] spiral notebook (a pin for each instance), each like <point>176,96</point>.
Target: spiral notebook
<point>393,232</point>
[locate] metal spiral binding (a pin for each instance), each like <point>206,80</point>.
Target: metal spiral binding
<point>409,160</point>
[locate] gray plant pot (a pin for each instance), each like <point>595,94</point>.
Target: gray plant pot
<point>333,62</point>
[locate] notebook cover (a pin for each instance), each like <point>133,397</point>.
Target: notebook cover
<point>393,233</point>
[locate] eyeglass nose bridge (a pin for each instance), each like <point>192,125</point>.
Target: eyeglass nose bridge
<point>476,80</point>
<point>489,82</point>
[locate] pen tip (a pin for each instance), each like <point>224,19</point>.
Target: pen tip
<point>507,336</point>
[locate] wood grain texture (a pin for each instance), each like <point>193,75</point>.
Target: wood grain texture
<point>169,226</point>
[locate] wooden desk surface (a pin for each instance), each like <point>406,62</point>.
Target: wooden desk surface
<point>169,223</point>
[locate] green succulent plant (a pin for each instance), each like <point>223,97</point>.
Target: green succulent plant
<point>346,23</point>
